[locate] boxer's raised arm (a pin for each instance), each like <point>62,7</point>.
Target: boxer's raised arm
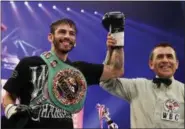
<point>113,64</point>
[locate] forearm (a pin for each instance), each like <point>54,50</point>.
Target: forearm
<point>115,87</point>
<point>108,57</point>
<point>8,99</point>
<point>117,58</point>
<point>113,64</point>
<point>11,109</point>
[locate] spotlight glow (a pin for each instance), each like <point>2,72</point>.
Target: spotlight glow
<point>54,7</point>
<point>40,5</point>
<point>11,2</point>
<point>26,2</point>
<point>68,9</point>
<point>13,5</point>
<point>95,12</point>
<point>82,11</point>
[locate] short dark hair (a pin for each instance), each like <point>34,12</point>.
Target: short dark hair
<point>65,21</point>
<point>164,44</point>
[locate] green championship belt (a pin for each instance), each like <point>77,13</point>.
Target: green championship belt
<point>66,85</point>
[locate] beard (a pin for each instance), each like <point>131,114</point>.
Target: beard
<point>57,45</point>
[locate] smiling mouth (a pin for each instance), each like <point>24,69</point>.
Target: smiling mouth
<point>66,42</point>
<point>165,68</point>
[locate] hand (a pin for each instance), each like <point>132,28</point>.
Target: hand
<point>13,110</point>
<point>111,42</point>
<point>114,22</point>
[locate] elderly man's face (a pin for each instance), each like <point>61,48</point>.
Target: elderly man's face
<point>164,62</point>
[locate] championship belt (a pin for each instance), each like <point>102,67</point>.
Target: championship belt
<point>66,85</point>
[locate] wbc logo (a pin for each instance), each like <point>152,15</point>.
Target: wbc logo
<point>171,107</point>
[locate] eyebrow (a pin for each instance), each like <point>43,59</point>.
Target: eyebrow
<point>168,54</point>
<point>66,30</point>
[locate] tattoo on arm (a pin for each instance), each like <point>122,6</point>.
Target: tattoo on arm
<point>116,59</point>
<point>108,57</point>
<point>114,64</point>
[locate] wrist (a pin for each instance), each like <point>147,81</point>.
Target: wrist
<point>117,47</point>
<point>9,110</point>
<point>7,107</point>
<point>119,36</point>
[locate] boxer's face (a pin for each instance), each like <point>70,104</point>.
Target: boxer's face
<point>64,38</point>
<point>164,62</point>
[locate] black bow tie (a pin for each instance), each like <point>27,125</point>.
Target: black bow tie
<point>158,81</point>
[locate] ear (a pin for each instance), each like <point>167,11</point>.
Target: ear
<point>177,64</point>
<point>50,37</point>
<point>150,63</point>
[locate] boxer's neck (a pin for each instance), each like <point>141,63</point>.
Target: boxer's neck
<point>60,55</point>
